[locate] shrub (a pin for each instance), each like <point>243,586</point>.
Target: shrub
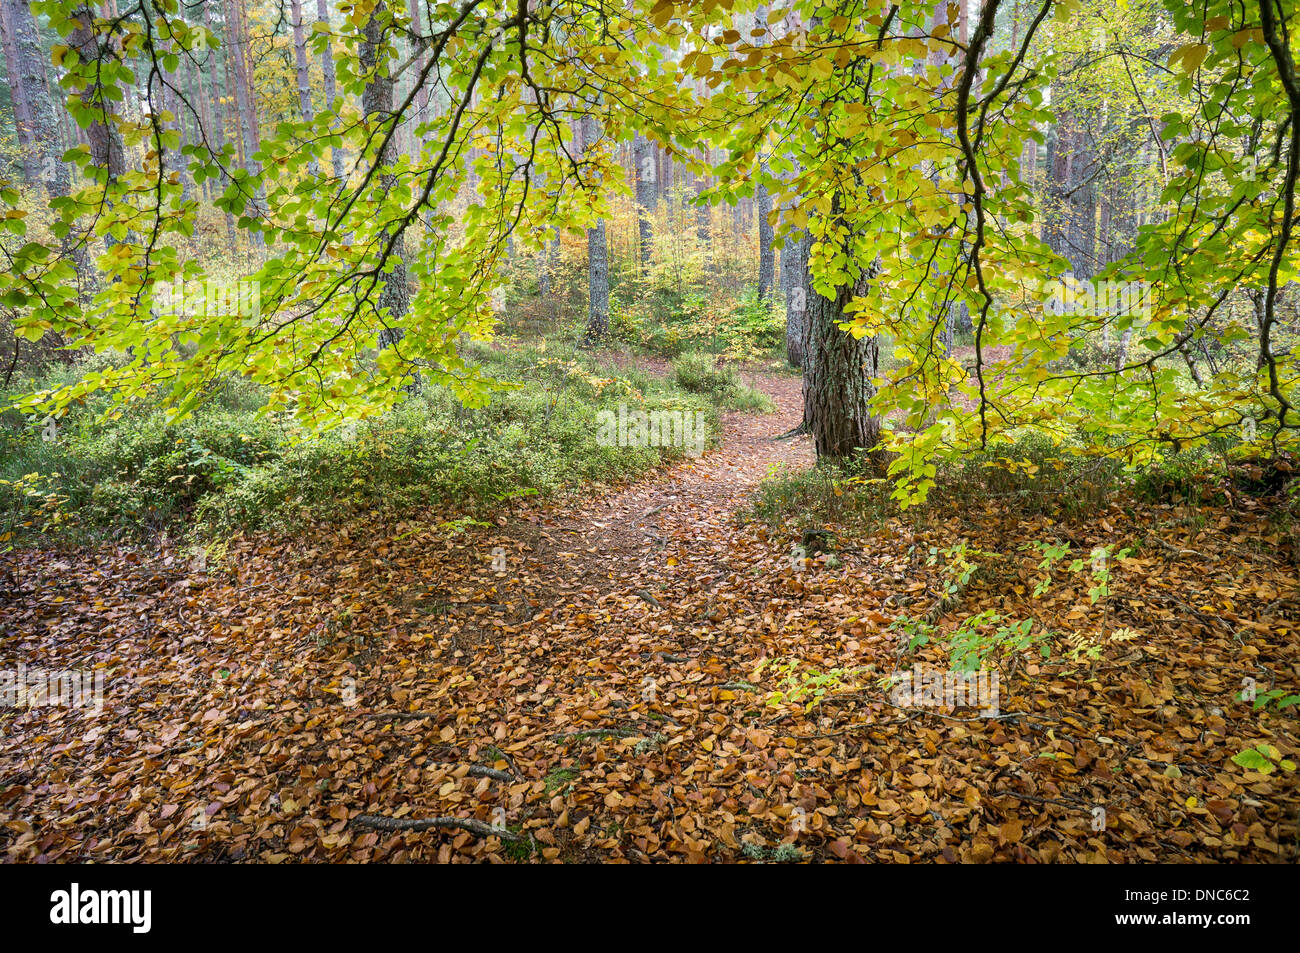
<point>701,374</point>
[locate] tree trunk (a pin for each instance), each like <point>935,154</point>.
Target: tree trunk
<point>25,126</point>
<point>34,87</point>
<point>236,37</point>
<point>597,258</point>
<point>216,125</point>
<point>327,78</point>
<point>377,101</point>
<point>703,210</point>
<point>300,72</point>
<point>105,145</point>
<point>643,157</point>
<point>794,266</point>
<point>766,257</point>
<point>422,95</point>
<point>794,279</point>
<point>837,382</point>
<point>173,160</point>
<point>838,374</point>
<point>35,92</point>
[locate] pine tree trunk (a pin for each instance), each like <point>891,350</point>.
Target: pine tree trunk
<point>105,145</point>
<point>703,211</point>
<point>35,92</point>
<point>216,124</point>
<point>31,162</point>
<point>766,257</point>
<point>597,259</point>
<point>236,37</point>
<point>644,160</point>
<point>173,160</point>
<point>422,95</point>
<point>838,374</point>
<point>34,87</point>
<point>598,282</point>
<point>837,381</point>
<point>794,266</point>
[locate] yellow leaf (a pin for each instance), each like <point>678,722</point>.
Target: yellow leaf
<point>1192,56</point>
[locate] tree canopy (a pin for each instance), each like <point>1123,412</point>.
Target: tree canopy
<point>900,136</point>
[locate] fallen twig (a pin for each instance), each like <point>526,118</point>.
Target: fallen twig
<point>380,823</point>
<point>596,733</point>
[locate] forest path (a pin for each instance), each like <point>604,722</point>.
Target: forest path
<point>668,527</point>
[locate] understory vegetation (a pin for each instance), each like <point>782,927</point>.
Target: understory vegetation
<point>132,473</point>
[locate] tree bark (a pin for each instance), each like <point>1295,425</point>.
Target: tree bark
<point>837,381</point>
<point>597,258</point>
<point>300,72</point>
<point>35,92</point>
<point>703,210</point>
<point>422,94</point>
<point>794,268</point>
<point>327,80</point>
<point>643,158</point>
<point>377,103</point>
<point>215,125</point>
<point>55,174</point>
<point>236,37</point>
<point>25,126</point>
<point>105,145</point>
<point>838,374</point>
<point>766,257</point>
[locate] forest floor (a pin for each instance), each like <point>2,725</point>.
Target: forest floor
<point>602,696</point>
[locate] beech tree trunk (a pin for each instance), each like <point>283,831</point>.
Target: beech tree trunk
<point>377,100</point>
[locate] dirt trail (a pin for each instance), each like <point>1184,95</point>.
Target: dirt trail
<point>622,540</point>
